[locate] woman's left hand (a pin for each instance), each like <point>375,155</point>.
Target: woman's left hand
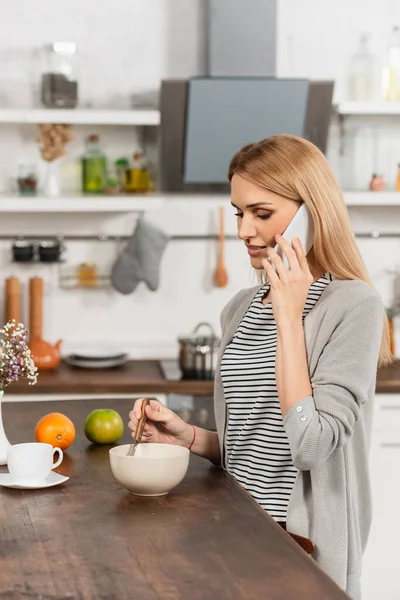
<point>289,287</point>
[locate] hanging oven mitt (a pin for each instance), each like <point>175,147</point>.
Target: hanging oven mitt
<point>125,272</point>
<point>140,260</point>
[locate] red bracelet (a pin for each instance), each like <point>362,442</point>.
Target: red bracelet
<point>194,435</point>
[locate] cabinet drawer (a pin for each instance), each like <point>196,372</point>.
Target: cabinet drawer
<point>387,412</point>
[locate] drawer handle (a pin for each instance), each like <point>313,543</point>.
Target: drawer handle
<point>390,407</point>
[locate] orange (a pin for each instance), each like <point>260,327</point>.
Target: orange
<point>55,429</point>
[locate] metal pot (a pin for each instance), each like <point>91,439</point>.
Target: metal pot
<point>198,353</point>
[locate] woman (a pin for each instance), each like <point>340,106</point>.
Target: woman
<point>296,377</point>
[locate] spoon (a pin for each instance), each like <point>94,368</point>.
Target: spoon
<point>221,275</point>
<point>139,428</point>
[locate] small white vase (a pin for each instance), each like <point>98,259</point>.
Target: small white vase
<point>52,186</point>
<point>4,443</point>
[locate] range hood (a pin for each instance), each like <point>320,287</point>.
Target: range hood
<point>240,38</point>
<point>205,120</point>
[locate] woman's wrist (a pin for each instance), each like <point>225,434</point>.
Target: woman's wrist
<point>189,436</point>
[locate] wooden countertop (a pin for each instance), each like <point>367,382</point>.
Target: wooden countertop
<point>90,539</point>
<point>388,380</point>
<point>136,377</point>
<point>146,376</point>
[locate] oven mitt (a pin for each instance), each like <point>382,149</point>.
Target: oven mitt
<point>140,260</point>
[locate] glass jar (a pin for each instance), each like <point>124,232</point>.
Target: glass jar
<point>27,180</point>
<point>59,85</point>
<point>87,275</point>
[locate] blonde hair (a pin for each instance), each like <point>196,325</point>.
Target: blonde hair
<point>296,169</point>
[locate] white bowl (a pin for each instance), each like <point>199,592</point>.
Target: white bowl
<point>154,470</point>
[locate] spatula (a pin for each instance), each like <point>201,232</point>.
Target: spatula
<point>220,274</point>
<point>139,428</point>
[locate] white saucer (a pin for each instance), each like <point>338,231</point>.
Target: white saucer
<point>52,479</point>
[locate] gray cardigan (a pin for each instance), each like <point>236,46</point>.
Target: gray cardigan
<point>329,432</point>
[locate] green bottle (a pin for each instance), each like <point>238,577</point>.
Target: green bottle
<point>94,167</point>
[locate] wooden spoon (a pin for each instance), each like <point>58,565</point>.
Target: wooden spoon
<point>221,275</point>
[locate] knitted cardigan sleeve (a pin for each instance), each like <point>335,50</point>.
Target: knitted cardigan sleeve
<point>319,424</point>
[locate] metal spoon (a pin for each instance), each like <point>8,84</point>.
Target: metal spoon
<point>139,428</point>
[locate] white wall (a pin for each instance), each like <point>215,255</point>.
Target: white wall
<point>126,48</point>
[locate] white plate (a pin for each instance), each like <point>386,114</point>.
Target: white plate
<point>97,353</point>
<point>95,364</point>
<point>52,479</point>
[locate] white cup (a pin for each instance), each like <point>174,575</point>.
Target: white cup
<point>32,461</point>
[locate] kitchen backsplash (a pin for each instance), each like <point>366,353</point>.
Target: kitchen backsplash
<point>131,47</point>
<point>146,322</point>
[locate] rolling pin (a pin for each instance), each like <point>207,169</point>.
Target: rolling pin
<point>35,308</point>
<point>13,299</point>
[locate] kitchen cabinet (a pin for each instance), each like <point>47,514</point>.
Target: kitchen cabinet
<point>380,577</point>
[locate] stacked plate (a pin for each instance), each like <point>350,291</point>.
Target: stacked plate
<point>96,357</point>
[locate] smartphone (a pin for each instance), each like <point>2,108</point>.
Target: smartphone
<point>301,226</point>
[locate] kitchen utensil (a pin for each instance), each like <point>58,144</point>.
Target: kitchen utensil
<point>45,355</point>
<point>221,275</point>
<point>13,299</point>
<point>139,428</point>
<point>155,470</point>
<point>198,353</point>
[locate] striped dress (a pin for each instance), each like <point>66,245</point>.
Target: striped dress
<point>257,449</point>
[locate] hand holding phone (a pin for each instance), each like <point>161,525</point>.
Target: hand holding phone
<point>300,226</point>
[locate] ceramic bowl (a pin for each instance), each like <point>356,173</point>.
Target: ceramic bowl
<point>154,470</point>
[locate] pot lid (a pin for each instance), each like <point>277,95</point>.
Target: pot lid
<point>207,336</point>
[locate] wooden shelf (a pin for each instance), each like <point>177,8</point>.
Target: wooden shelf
<point>150,117</point>
<point>76,204</point>
<point>373,108</point>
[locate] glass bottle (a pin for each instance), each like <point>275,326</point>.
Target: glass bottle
<point>137,175</point>
<point>391,71</point>
<point>59,85</point>
<point>94,167</point>
<point>362,72</point>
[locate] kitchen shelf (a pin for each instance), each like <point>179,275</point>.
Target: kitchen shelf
<point>373,108</point>
<point>149,117</point>
<point>153,201</point>
<point>76,204</point>
<point>365,198</point>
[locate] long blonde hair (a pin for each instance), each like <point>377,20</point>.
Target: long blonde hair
<point>296,169</point>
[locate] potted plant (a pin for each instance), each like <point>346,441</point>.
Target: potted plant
<point>15,362</point>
